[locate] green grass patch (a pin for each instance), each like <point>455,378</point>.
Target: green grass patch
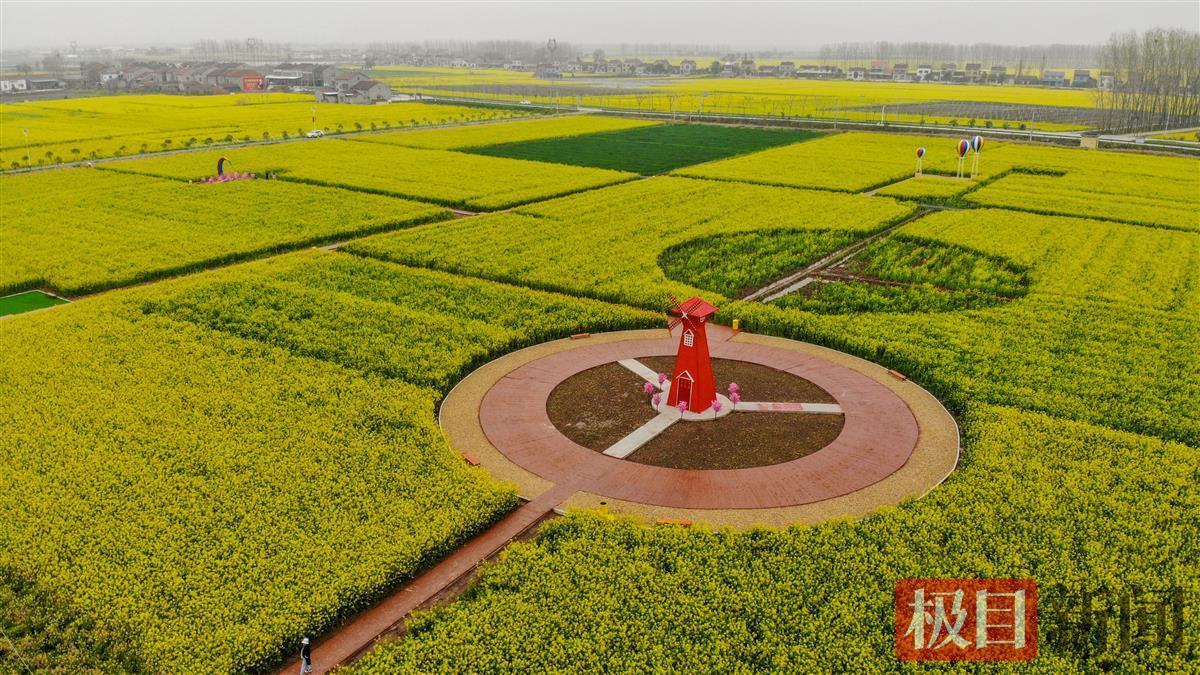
<point>913,260</point>
<point>850,297</point>
<point>19,303</point>
<point>734,264</point>
<point>649,150</point>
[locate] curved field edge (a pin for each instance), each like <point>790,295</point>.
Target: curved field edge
<point>598,592</point>
<point>1102,334</point>
<point>202,484</point>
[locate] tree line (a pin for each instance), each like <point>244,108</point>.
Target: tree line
<point>1023,59</point>
<point>1156,80</point>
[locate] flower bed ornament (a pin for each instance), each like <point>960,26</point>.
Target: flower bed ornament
<point>657,400</point>
<point>735,397</point>
<point>662,377</point>
<point>716,405</point>
<point>648,387</point>
<point>682,407</point>
<point>734,388</point>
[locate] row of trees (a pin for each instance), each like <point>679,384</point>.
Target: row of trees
<point>481,50</point>
<point>1157,80</point>
<point>250,49</point>
<point>1061,56</point>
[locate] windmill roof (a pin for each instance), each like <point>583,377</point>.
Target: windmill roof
<point>696,308</point>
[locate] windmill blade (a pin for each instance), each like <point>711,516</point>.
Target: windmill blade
<point>672,319</point>
<point>690,305</point>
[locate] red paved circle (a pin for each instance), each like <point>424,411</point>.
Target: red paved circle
<point>879,435</point>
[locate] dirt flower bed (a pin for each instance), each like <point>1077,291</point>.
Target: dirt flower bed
<point>599,406</point>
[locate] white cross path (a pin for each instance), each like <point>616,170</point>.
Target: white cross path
<point>640,370</point>
<point>640,436</point>
<point>643,434</point>
<point>768,406</point>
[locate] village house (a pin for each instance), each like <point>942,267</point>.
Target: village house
<point>687,67</point>
<point>815,72</point>
<point>923,72</point>
<point>900,73</point>
<point>14,86</point>
<point>290,80</point>
<point>548,71</point>
<point>360,91</point>
<point>1054,78</point>
<point>344,80</point>
<point>369,91</point>
<point>1082,78</point>
<point>856,73</point>
<point>44,84</point>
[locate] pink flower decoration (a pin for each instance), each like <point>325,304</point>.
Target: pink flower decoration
<point>734,388</point>
<point>657,400</point>
<point>683,406</point>
<point>647,387</point>
<point>662,377</point>
<point>735,397</point>
<point>716,406</point>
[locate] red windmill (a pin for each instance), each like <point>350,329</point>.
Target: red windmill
<point>693,382</point>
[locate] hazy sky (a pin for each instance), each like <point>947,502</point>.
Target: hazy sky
<point>795,25</point>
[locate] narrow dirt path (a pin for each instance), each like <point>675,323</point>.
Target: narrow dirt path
<point>357,636</point>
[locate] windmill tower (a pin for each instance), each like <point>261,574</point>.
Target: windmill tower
<point>692,382</point>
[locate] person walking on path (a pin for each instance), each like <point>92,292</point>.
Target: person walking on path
<point>305,657</point>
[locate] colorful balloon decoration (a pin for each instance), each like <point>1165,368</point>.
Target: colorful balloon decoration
<point>964,146</point>
<point>977,146</point>
<point>920,156</point>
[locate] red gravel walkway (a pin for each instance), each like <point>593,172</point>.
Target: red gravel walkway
<point>356,637</point>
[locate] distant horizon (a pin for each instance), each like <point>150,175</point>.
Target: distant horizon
<point>791,27</point>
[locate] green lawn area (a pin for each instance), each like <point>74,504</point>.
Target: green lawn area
<point>28,301</point>
<point>649,150</point>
